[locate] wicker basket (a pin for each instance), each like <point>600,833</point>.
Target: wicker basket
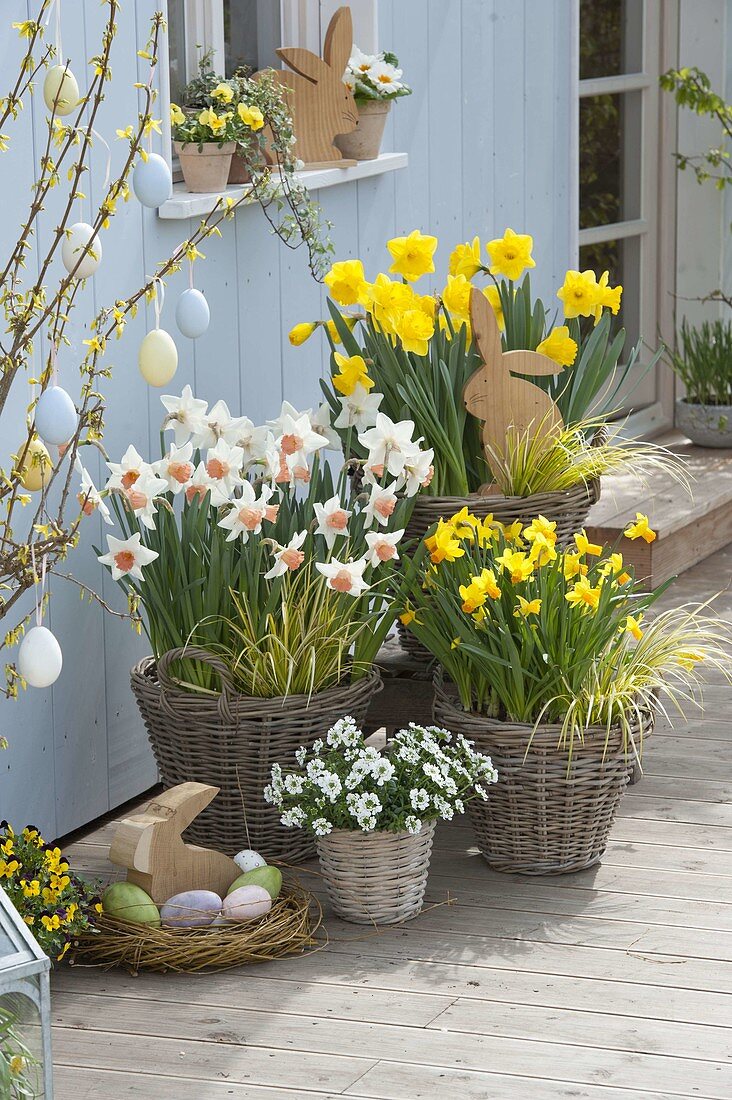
<point>376,878</point>
<point>232,741</point>
<point>546,815</point>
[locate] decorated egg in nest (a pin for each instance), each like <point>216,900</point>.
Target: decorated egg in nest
<point>55,416</point>
<point>192,314</point>
<point>60,90</point>
<point>248,859</point>
<point>247,903</point>
<point>158,357</point>
<point>76,240</point>
<point>191,909</point>
<point>39,657</point>
<point>152,181</point>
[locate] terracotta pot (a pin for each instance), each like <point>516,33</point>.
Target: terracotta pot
<point>364,143</point>
<point>205,167</point>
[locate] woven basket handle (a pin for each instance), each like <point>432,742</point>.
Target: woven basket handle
<point>195,653</point>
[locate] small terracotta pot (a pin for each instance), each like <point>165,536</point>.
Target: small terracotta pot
<point>206,167</point>
<point>364,143</point>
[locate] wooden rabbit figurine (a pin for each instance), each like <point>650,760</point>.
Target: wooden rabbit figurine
<point>321,104</point>
<point>150,846</point>
<point>506,404</point>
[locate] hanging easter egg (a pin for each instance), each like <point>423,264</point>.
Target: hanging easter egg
<point>192,314</point>
<point>55,416</point>
<point>158,357</point>
<point>40,658</point>
<point>77,238</point>
<point>152,181</point>
<point>248,859</point>
<point>37,467</point>
<point>60,90</point>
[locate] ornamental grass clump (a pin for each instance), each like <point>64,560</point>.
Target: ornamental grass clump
<point>532,633</point>
<point>703,362</point>
<point>425,774</point>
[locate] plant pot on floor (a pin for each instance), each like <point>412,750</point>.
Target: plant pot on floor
<point>548,813</point>
<point>378,877</point>
<point>705,425</point>
<point>364,143</point>
<point>231,741</point>
<point>205,167</point>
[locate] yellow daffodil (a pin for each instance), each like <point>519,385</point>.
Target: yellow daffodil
<point>412,255</point>
<point>177,118</point>
<point>512,532</point>
<point>346,282</point>
<point>542,550</point>
<point>456,297</point>
<point>516,564</point>
<point>465,259</point>
<point>510,254</point>
<point>580,294</point>
<point>479,590</point>
<point>527,607</point>
<point>688,658</point>
<point>387,300</point>
<point>333,331</point>
<point>17,1064</point>
<point>632,625</point>
<point>491,293</point>
<point>464,523</point>
<point>352,372</point>
<point>584,546</point>
<point>559,346</point>
<point>251,117</point>
<point>541,527</point>
<point>408,616</point>
<point>302,332</point>
<point>443,546</point>
<point>608,296</point>
<point>582,594</point>
<point>614,567</point>
<point>640,529</point>
<point>415,328</point>
<point>223,92</point>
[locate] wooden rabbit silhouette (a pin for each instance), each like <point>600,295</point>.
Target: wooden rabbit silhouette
<point>150,846</point>
<point>321,104</point>
<point>506,404</point>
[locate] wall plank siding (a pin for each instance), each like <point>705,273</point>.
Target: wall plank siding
<point>488,146</point>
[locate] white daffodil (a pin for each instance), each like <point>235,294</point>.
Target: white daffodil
<point>359,409</point>
<point>382,546</point>
<point>223,465</point>
<point>288,557</point>
<point>332,520</point>
<point>200,484</point>
<point>176,467</point>
<point>185,415</point>
<point>386,77</point>
<point>89,496</point>
<point>142,495</point>
<point>255,441</point>
<point>346,577</point>
<point>288,410</point>
<point>418,472</point>
<point>128,470</point>
<point>320,422</point>
<point>127,557</point>
<point>389,444</point>
<point>247,513</point>
<point>381,503</point>
<point>218,424</point>
<point>298,441</point>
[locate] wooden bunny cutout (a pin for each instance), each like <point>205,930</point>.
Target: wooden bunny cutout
<point>321,104</point>
<point>150,846</point>
<point>506,404</point>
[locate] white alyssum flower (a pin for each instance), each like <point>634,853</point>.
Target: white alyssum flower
<point>443,807</point>
<point>89,496</point>
<point>127,557</point>
<point>247,514</point>
<point>358,409</point>
<point>383,546</point>
<point>419,798</point>
<point>185,415</point>
<point>176,467</point>
<point>142,495</point>
<point>412,824</point>
<point>344,733</point>
<point>127,471</point>
<point>301,755</point>
<point>223,465</point>
<point>294,784</point>
<point>288,558</point>
<point>294,817</point>
<point>383,771</point>
<point>332,520</point>
<point>330,785</point>
<point>345,577</point>
<point>321,827</point>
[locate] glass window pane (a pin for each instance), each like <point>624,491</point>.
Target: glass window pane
<point>177,47</point>
<point>610,142</point>
<point>611,37</point>
<point>251,34</point>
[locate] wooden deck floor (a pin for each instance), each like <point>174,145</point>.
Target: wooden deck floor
<point>611,983</point>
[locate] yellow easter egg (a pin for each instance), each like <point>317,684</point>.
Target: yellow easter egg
<point>158,357</point>
<point>60,90</point>
<point>37,467</point>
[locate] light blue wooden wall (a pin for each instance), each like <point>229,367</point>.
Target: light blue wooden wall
<point>489,146</point>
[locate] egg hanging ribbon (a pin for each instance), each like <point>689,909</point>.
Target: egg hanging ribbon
<point>158,355</point>
<point>39,658</point>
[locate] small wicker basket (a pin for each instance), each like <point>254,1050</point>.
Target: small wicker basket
<point>232,741</point>
<point>376,878</point>
<point>547,814</point>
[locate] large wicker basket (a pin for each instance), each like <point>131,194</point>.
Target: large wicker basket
<point>232,741</point>
<point>376,878</point>
<point>547,814</point>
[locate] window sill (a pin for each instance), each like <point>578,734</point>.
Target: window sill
<point>183,204</point>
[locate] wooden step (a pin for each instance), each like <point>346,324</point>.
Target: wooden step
<point>689,528</point>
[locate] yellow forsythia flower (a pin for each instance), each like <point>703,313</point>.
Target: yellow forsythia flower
<point>579,293</point>
<point>583,594</point>
<point>251,116</point>
<point>456,296</point>
<point>302,332</point>
<point>510,254</point>
<point>491,293</point>
<point>640,529</point>
<point>415,328</point>
<point>584,546</point>
<point>223,93</point>
<point>346,282</point>
<point>352,372</point>
<point>413,255</point>
<point>26,29</point>
<point>465,259</point>
<point>559,346</point>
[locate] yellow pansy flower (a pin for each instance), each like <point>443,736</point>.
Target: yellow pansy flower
<point>584,546</point>
<point>251,116</point>
<point>582,594</point>
<point>491,293</point>
<point>223,92</point>
<point>465,259</point>
<point>640,529</point>
<point>216,123</point>
<point>632,625</point>
<point>456,296</point>
<point>302,332</point>
<point>579,293</point>
<point>346,282</point>
<point>8,867</point>
<point>30,889</point>
<point>177,117</point>
<point>516,564</point>
<point>443,546</point>
<point>415,328</point>
<point>510,254</point>
<point>352,372</point>
<point>51,924</point>
<point>413,255</point>
<point>608,296</point>
<point>527,607</point>
<point>559,346</point>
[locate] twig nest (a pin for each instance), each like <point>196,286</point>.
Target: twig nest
<point>248,859</point>
<point>158,357</point>
<point>192,314</point>
<point>247,903</point>
<point>37,467</point>
<point>152,181</point>
<point>76,241</point>
<point>39,658</point>
<point>55,416</point>
<point>60,90</point>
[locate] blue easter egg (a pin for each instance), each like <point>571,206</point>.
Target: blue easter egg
<point>55,416</point>
<point>152,181</point>
<point>192,314</point>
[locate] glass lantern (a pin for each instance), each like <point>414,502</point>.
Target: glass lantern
<point>25,1011</point>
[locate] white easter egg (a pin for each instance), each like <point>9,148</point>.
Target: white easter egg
<point>60,90</point>
<point>158,357</point>
<point>40,658</point>
<point>247,903</point>
<point>247,860</point>
<point>152,181</point>
<point>55,416</point>
<point>77,238</point>
<point>192,314</point>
